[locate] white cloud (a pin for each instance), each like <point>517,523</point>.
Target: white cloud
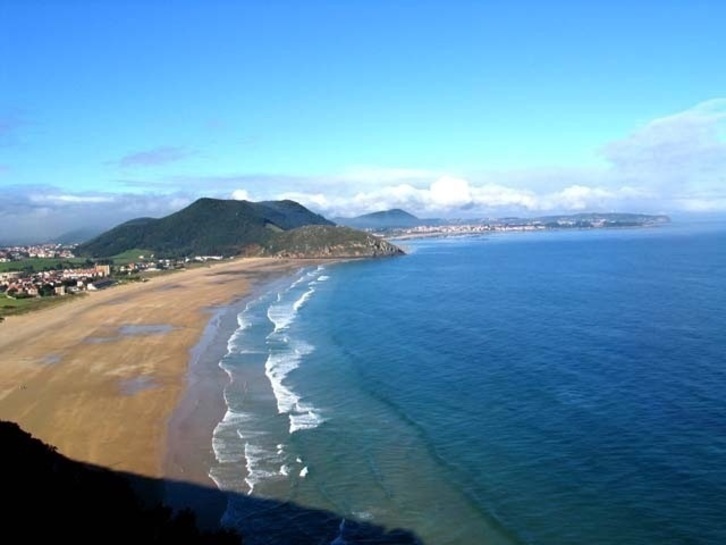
<point>71,199</point>
<point>44,213</point>
<point>681,156</point>
<point>677,162</point>
<point>241,195</point>
<point>492,196</point>
<point>671,164</point>
<point>318,201</point>
<point>450,192</point>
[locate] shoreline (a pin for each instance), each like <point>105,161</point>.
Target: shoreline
<point>189,454</point>
<point>102,378</point>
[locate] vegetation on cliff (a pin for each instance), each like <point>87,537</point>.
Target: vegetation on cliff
<point>230,228</point>
<point>206,227</point>
<point>320,241</point>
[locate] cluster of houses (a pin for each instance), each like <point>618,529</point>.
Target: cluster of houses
<point>54,282</point>
<point>463,229</point>
<point>18,284</point>
<point>53,251</point>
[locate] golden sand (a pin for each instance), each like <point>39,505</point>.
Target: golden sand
<point>78,377</point>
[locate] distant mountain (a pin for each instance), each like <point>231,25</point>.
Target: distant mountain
<point>384,219</point>
<point>215,227</point>
<point>77,236</point>
<point>615,219</point>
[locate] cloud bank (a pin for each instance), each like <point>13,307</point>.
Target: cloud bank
<point>675,163</point>
<point>41,214</point>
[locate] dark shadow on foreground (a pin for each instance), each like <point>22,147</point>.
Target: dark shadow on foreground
<point>50,497</point>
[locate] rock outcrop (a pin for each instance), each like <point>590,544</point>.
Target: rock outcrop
<point>321,242</point>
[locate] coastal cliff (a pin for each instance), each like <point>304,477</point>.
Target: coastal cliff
<point>321,242</point>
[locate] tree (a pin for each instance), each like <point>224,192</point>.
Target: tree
<point>47,290</point>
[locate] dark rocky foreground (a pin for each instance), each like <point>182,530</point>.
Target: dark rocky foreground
<point>50,498</point>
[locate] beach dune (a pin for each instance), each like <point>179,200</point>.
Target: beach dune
<point>100,377</point>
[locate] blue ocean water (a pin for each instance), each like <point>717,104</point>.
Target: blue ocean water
<point>555,388</point>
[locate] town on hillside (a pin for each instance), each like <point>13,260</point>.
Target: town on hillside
<point>47,270</point>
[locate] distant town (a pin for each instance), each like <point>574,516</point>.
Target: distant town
<point>51,271</point>
<point>418,228</point>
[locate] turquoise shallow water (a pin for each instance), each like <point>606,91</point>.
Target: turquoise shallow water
<point>545,388</point>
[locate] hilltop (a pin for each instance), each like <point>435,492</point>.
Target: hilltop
<point>384,219</point>
<point>319,241</point>
<point>231,228</point>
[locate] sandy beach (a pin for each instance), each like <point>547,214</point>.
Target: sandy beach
<point>100,377</point>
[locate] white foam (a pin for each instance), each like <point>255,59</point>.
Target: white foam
<point>304,472</point>
<point>300,280</point>
<point>250,433</point>
<point>243,321</point>
<point>339,539</point>
<point>323,278</point>
<point>226,369</point>
<point>281,315</point>
<point>217,481</point>
<point>256,457</point>
<point>225,438</point>
<point>277,367</point>
<point>302,416</point>
<point>233,343</point>
<point>305,418</point>
<point>300,302</point>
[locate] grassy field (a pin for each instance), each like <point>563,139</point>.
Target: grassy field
<point>37,264</point>
<point>10,307</point>
<point>132,256</point>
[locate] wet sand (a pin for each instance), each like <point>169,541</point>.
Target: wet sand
<point>102,378</point>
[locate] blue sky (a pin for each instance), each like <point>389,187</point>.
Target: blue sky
<point>115,110</point>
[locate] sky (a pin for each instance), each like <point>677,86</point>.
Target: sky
<point>116,110</point>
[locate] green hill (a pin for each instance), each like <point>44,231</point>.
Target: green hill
<point>230,228</point>
<point>385,219</point>
<point>324,241</point>
<point>206,227</point>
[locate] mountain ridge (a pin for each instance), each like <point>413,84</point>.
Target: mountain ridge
<point>395,217</point>
<point>233,228</point>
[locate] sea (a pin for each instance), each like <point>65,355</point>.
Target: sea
<point>546,388</point>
